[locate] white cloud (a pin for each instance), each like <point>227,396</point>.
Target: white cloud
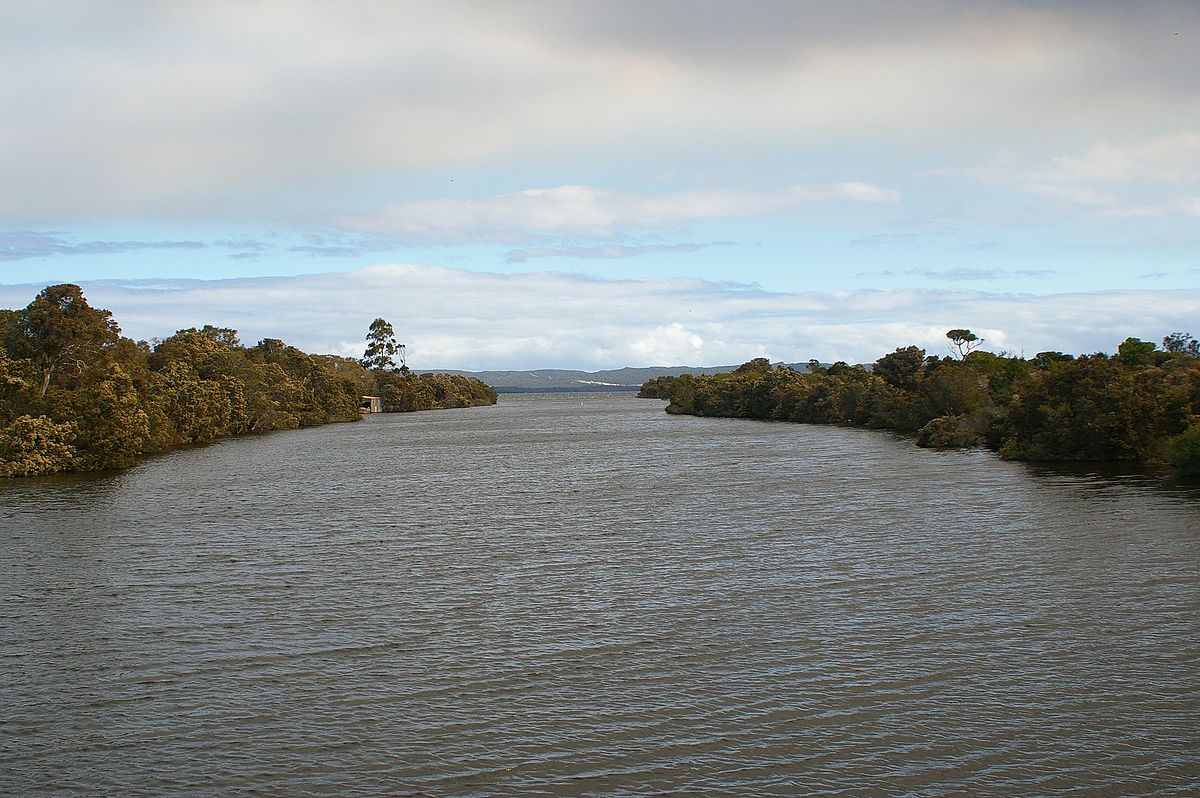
<point>1131,180</point>
<point>451,318</point>
<point>28,244</point>
<point>669,343</point>
<point>1188,206</point>
<point>586,211</point>
<point>1165,159</point>
<point>607,251</point>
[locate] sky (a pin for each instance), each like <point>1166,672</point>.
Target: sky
<point>604,183</point>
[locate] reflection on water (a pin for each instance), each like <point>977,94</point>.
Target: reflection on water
<point>581,595</point>
<point>1119,476</point>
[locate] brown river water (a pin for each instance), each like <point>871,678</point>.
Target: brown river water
<point>572,595</point>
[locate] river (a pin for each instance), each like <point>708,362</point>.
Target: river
<point>581,595</point>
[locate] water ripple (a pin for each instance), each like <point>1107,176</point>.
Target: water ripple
<point>581,595</point>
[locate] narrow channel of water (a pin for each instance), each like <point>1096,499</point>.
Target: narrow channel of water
<point>581,595</point>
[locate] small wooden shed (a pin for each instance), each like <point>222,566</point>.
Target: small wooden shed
<point>371,404</point>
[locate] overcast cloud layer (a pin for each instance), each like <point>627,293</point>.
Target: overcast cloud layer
<point>453,318</point>
<point>179,109</point>
<point>1044,154</point>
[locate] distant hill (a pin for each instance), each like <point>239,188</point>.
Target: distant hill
<point>562,380</point>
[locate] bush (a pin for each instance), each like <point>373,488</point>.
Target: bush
<point>954,432</point>
<point>1183,451</point>
<point>36,445</point>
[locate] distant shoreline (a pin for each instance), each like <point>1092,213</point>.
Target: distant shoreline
<point>579,389</point>
<point>628,378</point>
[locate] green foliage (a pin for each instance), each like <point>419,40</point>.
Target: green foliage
<point>59,333</point>
<point>305,388</point>
<point>891,407</point>
<point>30,446</point>
<point>1046,360</point>
<point>8,319</point>
<point>901,368</point>
<point>964,341</point>
<point>1053,407</point>
<point>200,409</point>
<point>1181,343</point>
<point>88,399</point>
<point>1183,451</point>
<point>403,393</point>
<point>682,396</point>
<point>111,425</point>
<point>759,365</point>
<point>949,390</point>
<point>1001,372</point>
<point>1135,352</point>
<point>381,346</point>
<point>955,432</point>
<point>17,392</point>
<point>656,388</point>
<point>1100,408</point>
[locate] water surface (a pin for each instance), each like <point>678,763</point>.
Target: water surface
<point>581,595</point>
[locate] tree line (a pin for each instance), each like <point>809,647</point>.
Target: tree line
<point>402,391</point>
<point>1140,404</point>
<point>377,374</point>
<point>75,395</point>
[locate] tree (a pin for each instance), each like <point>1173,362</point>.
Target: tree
<point>58,331</point>
<point>1181,343</point>
<point>656,388</point>
<point>759,365</point>
<point>200,409</point>
<point>902,368</point>
<point>8,318</point>
<point>1090,408</point>
<point>36,445</point>
<point>111,427</point>
<point>381,347</point>
<point>1135,352</point>
<point>1045,360</point>
<point>964,341</point>
<point>953,390</point>
<point>17,389</point>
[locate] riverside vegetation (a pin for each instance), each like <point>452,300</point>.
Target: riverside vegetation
<point>77,396</point>
<point>1141,404</point>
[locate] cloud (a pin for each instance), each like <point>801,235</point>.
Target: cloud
<point>452,318</point>
<point>344,248</point>
<point>962,274</point>
<point>1163,159</point>
<point>1131,180</point>
<point>24,245</point>
<point>586,211</point>
<point>274,109</point>
<point>876,240</point>
<point>1188,206</point>
<point>939,237</point>
<point>606,251</point>
<point>668,343</point>
<point>244,248</point>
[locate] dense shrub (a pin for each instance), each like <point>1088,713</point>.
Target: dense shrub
<point>1183,451</point>
<point>30,446</point>
<point>1054,407</point>
<point>74,395</point>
